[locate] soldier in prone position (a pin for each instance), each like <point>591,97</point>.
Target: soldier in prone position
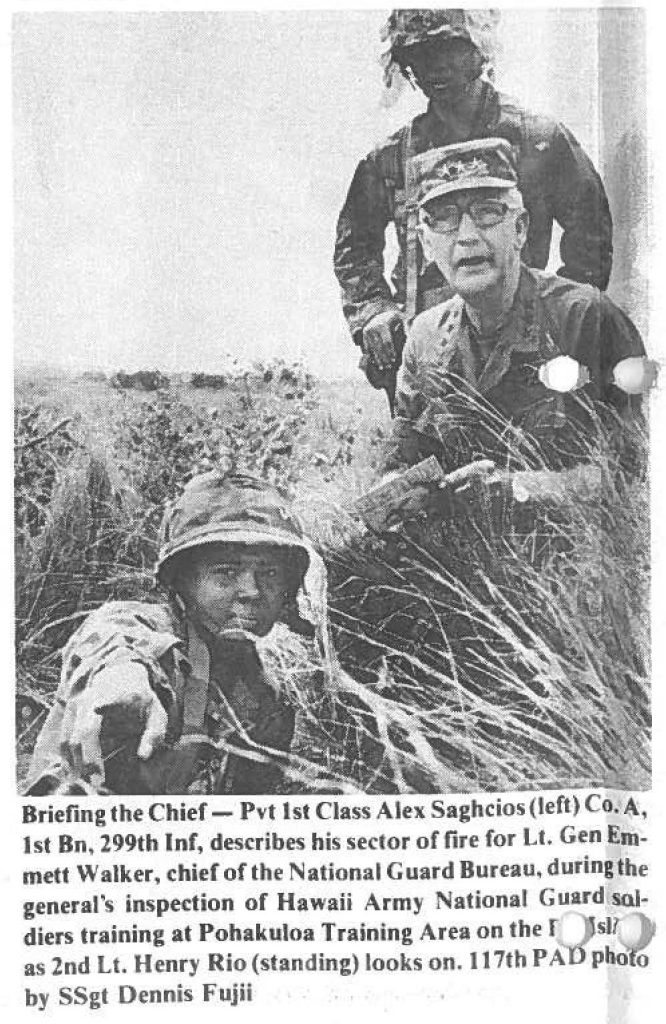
<point>445,52</point>
<point>179,697</point>
<point>202,692</point>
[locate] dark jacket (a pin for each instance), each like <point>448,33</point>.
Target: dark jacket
<point>557,180</point>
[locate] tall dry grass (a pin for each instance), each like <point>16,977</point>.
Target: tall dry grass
<point>514,634</point>
<point>501,648</point>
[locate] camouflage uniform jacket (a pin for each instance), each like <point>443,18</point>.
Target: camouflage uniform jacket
<point>454,404</point>
<point>254,706</point>
<point>557,180</point>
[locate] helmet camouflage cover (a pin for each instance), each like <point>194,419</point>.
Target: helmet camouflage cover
<point>217,508</point>
<point>406,28</point>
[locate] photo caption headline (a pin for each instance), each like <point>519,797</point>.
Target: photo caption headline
<point>170,900</point>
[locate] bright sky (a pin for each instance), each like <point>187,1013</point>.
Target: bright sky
<point>179,175</point>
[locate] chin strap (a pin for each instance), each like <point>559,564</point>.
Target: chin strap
<point>195,697</point>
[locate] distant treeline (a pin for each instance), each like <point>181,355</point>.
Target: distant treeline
<point>142,380</point>
<point>296,377</point>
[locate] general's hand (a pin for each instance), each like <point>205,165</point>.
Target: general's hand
<point>469,487</point>
<point>119,688</point>
<point>380,342</point>
<point>461,487</point>
<point>469,476</point>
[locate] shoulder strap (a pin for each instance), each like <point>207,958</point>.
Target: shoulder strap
<point>411,238</point>
<point>195,697</point>
<point>390,159</point>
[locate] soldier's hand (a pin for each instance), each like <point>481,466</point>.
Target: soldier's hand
<point>121,688</point>
<point>412,504</point>
<point>471,486</point>
<point>458,489</point>
<point>470,477</point>
<point>380,339</point>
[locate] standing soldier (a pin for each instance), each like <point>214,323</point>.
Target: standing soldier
<point>444,53</point>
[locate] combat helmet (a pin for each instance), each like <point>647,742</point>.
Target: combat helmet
<point>232,508</point>
<point>406,28</point>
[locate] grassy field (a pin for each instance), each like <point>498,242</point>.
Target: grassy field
<point>497,652</point>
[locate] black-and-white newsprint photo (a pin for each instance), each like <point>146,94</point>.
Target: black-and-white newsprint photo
<point>333,380</point>
<point>245,565</point>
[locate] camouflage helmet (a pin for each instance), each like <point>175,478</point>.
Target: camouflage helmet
<point>407,28</point>
<point>219,508</point>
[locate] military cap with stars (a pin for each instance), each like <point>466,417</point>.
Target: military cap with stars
<point>480,163</point>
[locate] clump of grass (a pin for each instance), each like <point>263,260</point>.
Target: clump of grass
<point>513,635</point>
<point>87,551</point>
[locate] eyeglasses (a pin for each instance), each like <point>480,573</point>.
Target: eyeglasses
<point>484,212</point>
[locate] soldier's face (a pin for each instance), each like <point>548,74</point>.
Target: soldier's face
<point>476,257</point>
<point>444,69</point>
<point>231,590</point>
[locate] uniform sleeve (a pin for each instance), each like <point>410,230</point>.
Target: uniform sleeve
<point>405,446</point>
<point>600,335</point>
<point>580,206</point>
<point>117,634</point>
<point>359,248</point>
<point>619,337</point>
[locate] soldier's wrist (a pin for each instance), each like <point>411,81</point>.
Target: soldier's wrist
<point>370,311</point>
